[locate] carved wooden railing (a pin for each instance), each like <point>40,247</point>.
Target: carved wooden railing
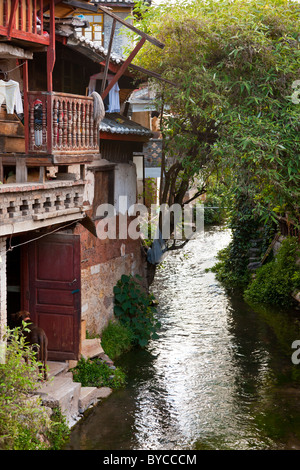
<point>23,19</point>
<point>61,124</point>
<point>35,202</point>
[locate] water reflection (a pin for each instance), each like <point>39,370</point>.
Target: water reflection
<point>210,379</point>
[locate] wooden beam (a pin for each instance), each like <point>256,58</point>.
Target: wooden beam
<point>79,4</point>
<point>123,137</point>
<point>151,74</point>
<point>12,18</point>
<point>123,67</point>
<point>130,26</point>
<point>25,36</point>
<point>46,7</point>
<point>108,56</point>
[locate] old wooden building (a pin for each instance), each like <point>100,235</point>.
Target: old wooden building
<point>53,174</point>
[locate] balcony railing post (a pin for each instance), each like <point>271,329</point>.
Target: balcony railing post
<point>49,122</point>
<point>26,110</point>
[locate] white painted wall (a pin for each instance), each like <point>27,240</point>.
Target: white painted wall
<point>125,185</point>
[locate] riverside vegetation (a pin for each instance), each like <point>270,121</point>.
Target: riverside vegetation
<point>25,424</point>
<point>135,324</point>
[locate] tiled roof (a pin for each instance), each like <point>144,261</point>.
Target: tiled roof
<point>115,2</point>
<point>115,123</point>
<point>81,41</point>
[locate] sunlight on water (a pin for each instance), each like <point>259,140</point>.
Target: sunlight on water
<point>207,382</point>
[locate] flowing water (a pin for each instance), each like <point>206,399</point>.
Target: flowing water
<point>218,377</point>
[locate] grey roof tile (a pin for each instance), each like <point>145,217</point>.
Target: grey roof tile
<point>115,123</point>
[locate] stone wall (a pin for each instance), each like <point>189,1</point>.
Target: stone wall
<point>102,264</point>
<point>3,320</point>
<point>153,153</point>
<point>120,38</point>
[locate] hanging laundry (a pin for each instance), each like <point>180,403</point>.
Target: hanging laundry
<point>11,96</point>
<point>114,99</point>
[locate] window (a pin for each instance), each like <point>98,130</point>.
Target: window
<point>104,187</point>
<point>95,31</point>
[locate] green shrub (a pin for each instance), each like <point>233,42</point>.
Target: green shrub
<point>214,211</point>
<point>59,432</point>
<point>227,273</point>
<point>116,339</point>
<point>24,421</point>
<point>96,373</point>
<point>275,281</point>
<point>135,310</point>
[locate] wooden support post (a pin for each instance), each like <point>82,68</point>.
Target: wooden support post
<point>1,170</point>
<point>112,33</point>
<point>42,174</point>
<point>21,170</point>
<point>26,107</point>
<point>124,67</point>
<point>51,48</point>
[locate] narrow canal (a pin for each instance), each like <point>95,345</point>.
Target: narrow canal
<point>218,377</point>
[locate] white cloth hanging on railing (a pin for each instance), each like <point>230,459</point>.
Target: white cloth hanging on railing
<point>114,99</point>
<point>10,95</point>
<point>99,109</point>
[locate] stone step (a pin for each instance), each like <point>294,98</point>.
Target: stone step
<point>256,240</point>
<point>91,348</point>
<point>56,368</point>
<point>253,266</point>
<point>72,399</point>
<point>62,392</point>
<point>89,396</point>
<point>254,251</point>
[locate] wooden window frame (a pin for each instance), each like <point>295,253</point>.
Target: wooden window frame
<point>110,172</point>
<point>95,21</point>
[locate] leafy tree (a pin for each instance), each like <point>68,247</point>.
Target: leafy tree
<point>234,66</point>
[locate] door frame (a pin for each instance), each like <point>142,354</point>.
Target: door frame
<point>27,297</point>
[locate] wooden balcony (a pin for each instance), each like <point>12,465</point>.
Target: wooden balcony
<point>23,20</point>
<point>61,125</point>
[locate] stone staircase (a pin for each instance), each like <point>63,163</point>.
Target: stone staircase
<point>255,254</point>
<point>61,391</point>
<point>12,136</point>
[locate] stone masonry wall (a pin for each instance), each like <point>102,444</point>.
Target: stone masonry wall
<point>120,39</point>
<point>153,153</point>
<point>102,264</point>
<point>3,320</point>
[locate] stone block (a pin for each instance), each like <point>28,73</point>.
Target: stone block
<point>91,348</point>
<point>62,392</point>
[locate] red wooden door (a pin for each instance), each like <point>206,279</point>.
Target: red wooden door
<point>54,292</point>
